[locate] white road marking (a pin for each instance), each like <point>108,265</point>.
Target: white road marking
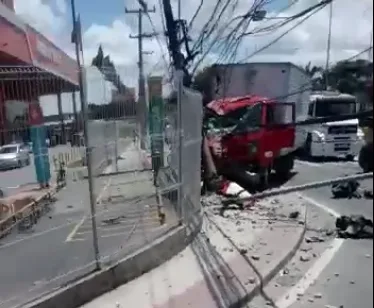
<point>326,164</point>
<point>311,276</point>
<point>308,163</point>
<point>82,221</point>
<point>320,205</point>
<point>292,295</point>
<point>75,229</point>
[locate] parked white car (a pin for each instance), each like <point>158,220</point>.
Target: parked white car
<point>15,155</point>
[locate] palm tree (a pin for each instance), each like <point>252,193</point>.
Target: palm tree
<point>316,74</point>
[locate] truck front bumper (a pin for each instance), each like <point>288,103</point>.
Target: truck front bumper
<point>336,149</point>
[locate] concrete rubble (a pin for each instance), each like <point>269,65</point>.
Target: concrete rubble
<point>225,264</point>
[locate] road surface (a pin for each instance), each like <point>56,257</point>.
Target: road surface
<point>61,243</point>
<point>11,179</point>
<point>347,281</point>
<point>342,276</point>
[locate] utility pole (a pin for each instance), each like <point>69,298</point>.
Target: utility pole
<point>328,47</point>
<point>142,104</point>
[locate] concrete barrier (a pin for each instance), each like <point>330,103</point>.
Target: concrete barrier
<point>145,259</point>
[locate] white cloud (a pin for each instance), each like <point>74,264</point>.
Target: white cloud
<point>42,17</point>
<point>99,91</point>
<point>352,25</point>
<point>61,6</point>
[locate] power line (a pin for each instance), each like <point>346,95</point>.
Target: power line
<point>271,43</point>
<point>145,9</point>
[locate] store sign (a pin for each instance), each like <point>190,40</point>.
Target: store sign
<point>48,52</point>
<point>13,40</point>
<point>49,57</point>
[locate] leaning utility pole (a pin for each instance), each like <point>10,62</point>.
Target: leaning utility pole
<point>328,50</point>
<point>142,104</point>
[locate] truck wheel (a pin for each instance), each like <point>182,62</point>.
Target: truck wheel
<point>350,158</point>
<point>284,166</point>
<point>365,158</point>
<point>308,146</point>
<point>264,179</point>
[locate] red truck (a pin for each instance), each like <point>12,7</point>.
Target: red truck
<point>253,133</point>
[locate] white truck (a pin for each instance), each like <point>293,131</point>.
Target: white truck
<point>342,139</point>
<point>282,81</point>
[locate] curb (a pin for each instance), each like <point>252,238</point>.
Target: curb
<point>268,277</point>
<point>129,268</point>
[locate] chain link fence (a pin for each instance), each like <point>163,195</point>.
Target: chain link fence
<point>135,194</point>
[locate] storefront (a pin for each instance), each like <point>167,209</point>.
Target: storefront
<point>30,66</point>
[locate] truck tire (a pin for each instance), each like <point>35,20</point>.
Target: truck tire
<point>264,175</point>
<point>365,158</point>
<point>308,147</point>
<point>283,166</point>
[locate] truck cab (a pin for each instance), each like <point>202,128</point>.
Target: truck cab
<point>255,133</point>
<point>342,139</point>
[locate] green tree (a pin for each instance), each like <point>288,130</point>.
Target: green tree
<point>350,76</point>
<point>107,68</point>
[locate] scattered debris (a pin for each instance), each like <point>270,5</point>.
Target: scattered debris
<point>354,226</point>
<point>346,190</point>
<point>368,194</point>
<point>113,221</point>
<point>314,239</point>
<point>304,258</point>
<point>294,215</point>
<point>252,280</point>
<point>255,258</point>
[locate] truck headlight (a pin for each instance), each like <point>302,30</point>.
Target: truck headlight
<point>319,137</point>
<point>360,134</point>
<point>252,148</point>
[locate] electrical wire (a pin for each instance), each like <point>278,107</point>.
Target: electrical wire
<point>156,36</point>
<point>271,43</point>
<point>162,57</point>
<point>229,40</point>
<point>195,15</point>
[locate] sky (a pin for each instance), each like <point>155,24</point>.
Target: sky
<point>105,23</point>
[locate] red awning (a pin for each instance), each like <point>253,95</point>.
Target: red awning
<point>26,82</point>
<point>27,47</point>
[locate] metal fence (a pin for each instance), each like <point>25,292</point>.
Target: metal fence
<point>135,195</point>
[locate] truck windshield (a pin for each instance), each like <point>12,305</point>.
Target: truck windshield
<point>327,107</point>
<point>226,121</point>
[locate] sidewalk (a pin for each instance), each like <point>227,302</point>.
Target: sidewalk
<point>224,265</point>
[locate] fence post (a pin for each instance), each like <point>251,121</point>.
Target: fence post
<point>91,187</point>
<point>179,83</point>
<point>116,145</point>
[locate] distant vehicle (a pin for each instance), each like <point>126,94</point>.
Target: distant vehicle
<point>14,155</point>
<point>333,139</point>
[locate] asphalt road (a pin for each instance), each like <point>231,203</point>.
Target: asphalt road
<point>59,247</point>
<point>347,281</point>
<point>11,179</point>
